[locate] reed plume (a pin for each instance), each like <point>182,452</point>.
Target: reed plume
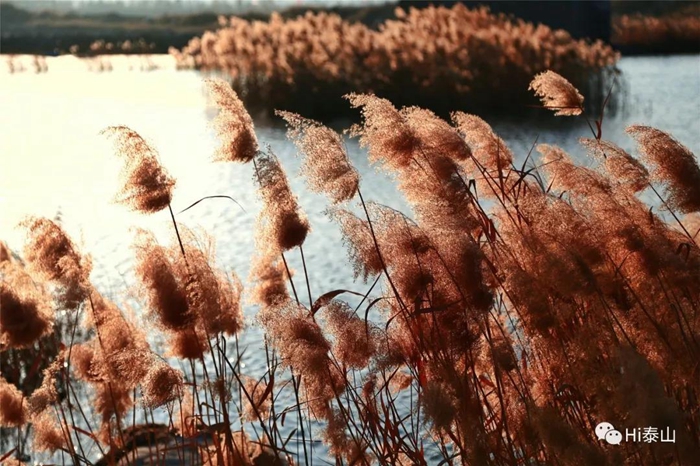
<point>13,408</point>
<point>53,255</point>
<point>622,167</point>
<point>259,404</point>
<point>233,125</point>
<point>211,296</point>
<point>384,131</point>
<point>49,433</point>
<point>24,315</point>
<point>326,165</point>
<point>557,94</point>
<point>487,148</point>
<point>167,299</point>
<point>282,224</point>
<point>270,279</point>
<point>435,135</point>
<point>188,298</point>
<point>162,384</point>
<point>359,242</point>
<point>47,394</point>
<point>146,185</point>
<point>303,346</point>
<point>672,164</point>
<point>355,341</point>
<point>5,253</point>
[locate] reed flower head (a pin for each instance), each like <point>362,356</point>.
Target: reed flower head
<point>121,354</point>
<point>85,363</point>
<point>13,407</point>
<point>439,405</point>
<point>358,240</point>
<point>233,125</point>
<point>304,347</point>
<point>326,164</point>
<point>188,344</point>
<point>566,176</point>
<point>49,435</point>
<point>435,136</point>
<point>270,278</point>
<point>162,385</point>
<point>282,224</point>
<point>47,394</point>
<point>354,341</point>
<point>384,131</point>
<point>211,296</point>
<point>24,316</point>
<point>5,254</point>
<point>557,94</point>
<point>111,400</point>
<point>488,149</point>
<point>261,395</point>
<point>622,167</point>
<point>167,299</point>
<point>672,164</point>
<point>146,185</point>
<point>50,252</point>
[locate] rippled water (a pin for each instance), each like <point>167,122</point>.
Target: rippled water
<point>55,164</point>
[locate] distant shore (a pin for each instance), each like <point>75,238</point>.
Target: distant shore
<point>51,34</point>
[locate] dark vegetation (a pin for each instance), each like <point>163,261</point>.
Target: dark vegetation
<point>50,28</point>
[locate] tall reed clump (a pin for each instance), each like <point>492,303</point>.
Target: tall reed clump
<point>510,312</point>
<point>434,57</point>
<point>674,32</point>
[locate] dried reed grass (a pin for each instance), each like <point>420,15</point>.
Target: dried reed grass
<point>501,331</point>
<point>427,57</point>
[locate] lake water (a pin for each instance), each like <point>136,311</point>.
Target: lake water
<point>54,163</point>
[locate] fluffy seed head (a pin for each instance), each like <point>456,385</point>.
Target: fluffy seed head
<point>233,125</point>
<point>672,164</point>
<point>557,94</point>
<point>282,224</point>
<point>51,253</point>
<point>353,343</point>
<point>566,176</point>
<point>146,185</point>
<point>166,297</point>
<point>384,131</point>
<point>162,385</point>
<point>358,240</point>
<point>13,409</point>
<point>24,316</point>
<point>434,135</point>
<point>326,163</point>
<point>270,278</point>
<point>261,397</point>
<point>48,435</point>
<point>623,168</point>
<point>489,150</point>
<point>5,254</point>
<point>211,296</point>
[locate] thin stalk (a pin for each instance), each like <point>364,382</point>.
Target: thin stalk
<point>306,275</point>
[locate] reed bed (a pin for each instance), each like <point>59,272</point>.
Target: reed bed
<point>677,32</point>
<point>506,317</point>
<point>434,57</point>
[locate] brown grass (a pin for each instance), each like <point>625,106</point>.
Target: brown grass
<point>433,57</point>
<point>512,311</point>
<point>677,32</point>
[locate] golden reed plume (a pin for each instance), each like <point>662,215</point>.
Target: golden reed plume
<point>557,94</point>
<point>146,185</point>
